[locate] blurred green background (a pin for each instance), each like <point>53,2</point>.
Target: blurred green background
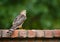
<point>41,14</point>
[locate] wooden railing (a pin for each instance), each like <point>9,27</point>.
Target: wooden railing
<point>31,36</point>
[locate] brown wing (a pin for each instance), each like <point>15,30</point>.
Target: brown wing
<point>17,22</point>
<point>16,19</point>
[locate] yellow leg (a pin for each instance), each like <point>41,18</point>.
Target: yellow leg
<point>20,27</point>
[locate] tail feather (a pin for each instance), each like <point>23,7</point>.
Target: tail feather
<point>10,32</point>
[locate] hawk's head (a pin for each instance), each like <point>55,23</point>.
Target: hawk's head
<point>23,12</point>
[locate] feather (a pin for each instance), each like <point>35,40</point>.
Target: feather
<point>18,21</point>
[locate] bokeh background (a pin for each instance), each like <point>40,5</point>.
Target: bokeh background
<point>41,14</point>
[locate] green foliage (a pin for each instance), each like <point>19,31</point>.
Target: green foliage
<point>41,14</point>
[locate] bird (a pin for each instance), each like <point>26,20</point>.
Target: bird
<point>18,22</point>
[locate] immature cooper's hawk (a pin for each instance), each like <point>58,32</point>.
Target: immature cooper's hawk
<point>18,22</point>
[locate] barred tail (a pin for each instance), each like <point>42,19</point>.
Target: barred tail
<point>10,31</point>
